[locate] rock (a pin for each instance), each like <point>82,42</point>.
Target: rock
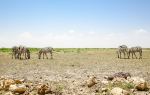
<point>9,93</point>
<point>33,93</point>
<point>91,82</point>
<point>43,89</point>
<point>109,78</point>
<point>18,81</point>
<point>118,75</point>
<point>18,88</point>
<point>104,93</point>
<point>1,85</point>
<point>119,91</point>
<point>140,83</point>
<point>104,89</point>
<point>122,75</point>
<point>105,82</point>
<point>141,86</point>
<point>7,83</point>
<point>12,87</point>
<point>119,80</point>
<point>27,93</point>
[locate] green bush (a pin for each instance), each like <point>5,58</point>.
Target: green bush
<point>5,50</point>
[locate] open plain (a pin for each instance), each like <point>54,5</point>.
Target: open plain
<point>71,67</point>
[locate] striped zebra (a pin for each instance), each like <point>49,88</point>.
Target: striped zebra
<point>20,51</point>
<point>14,52</point>
<point>44,52</point>
<point>23,51</point>
<point>123,49</point>
<point>134,50</point>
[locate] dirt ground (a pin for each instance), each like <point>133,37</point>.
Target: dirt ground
<point>70,69</point>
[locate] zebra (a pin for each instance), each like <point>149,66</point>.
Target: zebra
<point>17,52</point>
<point>44,51</point>
<point>14,52</point>
<point>133,51</point>
<point>22,50</point>
<point>122,49</point>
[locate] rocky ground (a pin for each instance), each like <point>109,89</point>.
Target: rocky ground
<point>74,73</point>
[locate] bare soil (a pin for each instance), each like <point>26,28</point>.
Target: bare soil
<point>70,69</point>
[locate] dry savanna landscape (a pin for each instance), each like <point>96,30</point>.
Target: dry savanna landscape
<point>74,47</point>
<point>75,71</point>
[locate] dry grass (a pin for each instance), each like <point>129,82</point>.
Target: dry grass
<point>95,61</point>
<point>70,66</point>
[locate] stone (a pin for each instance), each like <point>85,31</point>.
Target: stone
<point>118,75</point>
<point>43,89</point>
<point>18,88</point>
<point>104,89</point>
<point>140,83</point>
<point>18,81</point>
<point>91,81</point>
<point>7,83</point>
<point>118,80</point>
<point>105,82</point>
<point>9,93</point>
<point>119,91</point>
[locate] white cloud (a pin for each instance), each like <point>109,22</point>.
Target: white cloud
<point>71,31</point>
<point>25,35</point>
<point>74,38</point>
<point>141,31</point>
<point>91,32</point>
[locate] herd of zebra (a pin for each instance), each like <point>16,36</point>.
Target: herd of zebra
<point>21,51</point>
<point>127,52</point>
<point>18,52</point>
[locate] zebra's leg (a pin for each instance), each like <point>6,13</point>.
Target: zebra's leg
<point>25,55</point>
<point>132,54</point>
<point>46,55</point>
<point>43,55</point>
<point>39,55</point>
<point>16,56</point>
<point>135,55</point>
<point>28,55</point>
<point>12,55</point>
<point>129,55</point>
<point>20,55</point>
<point>51,55</point>
<point>124,55</point>
<point>140,54</point>
<point>120,55</point>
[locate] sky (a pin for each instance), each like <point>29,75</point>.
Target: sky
<point>75,23</point>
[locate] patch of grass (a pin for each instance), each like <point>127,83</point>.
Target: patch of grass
<point>34,49</point>
<point>5,49</point>
<point>60,87</point>
<point>8,50</point>
<point>123,85</point>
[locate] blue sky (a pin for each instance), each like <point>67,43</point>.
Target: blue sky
<point>74,23</point>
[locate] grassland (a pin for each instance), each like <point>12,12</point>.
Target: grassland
<point>73,65</point>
